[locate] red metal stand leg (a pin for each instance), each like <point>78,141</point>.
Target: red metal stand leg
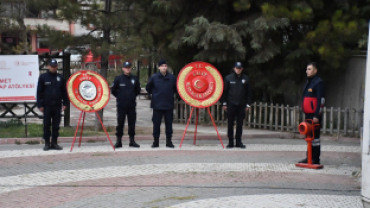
<point>82,129</point>
<point>187,124</point>
<point>196,125</point>
<point>214,124</point>
<point>105,130</point>
<point>74,138</point>
<point>309,152</point>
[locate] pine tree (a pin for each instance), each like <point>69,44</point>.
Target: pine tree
<point>275,38</point>
<point>110,26</point>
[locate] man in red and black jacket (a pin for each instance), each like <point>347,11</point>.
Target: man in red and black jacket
<point>313,101</point>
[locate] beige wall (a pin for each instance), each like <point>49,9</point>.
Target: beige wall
<point>346,88</point>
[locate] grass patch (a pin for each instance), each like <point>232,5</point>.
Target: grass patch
<point>17,142</point>
<point>32,142</point>
<point>100,154</point>
<point>179,198</point>
<point>91,141</point>
<point>17,130</point>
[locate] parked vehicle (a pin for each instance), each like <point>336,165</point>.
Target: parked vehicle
<point>95,63</point>
<point>76,56</point>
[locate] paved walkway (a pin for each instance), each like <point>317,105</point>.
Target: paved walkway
<point>205,175</point>
<point>202,175</point>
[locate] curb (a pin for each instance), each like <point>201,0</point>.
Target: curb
<point>272,135</point>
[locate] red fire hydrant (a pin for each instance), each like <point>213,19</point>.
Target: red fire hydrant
<point>307,127</point>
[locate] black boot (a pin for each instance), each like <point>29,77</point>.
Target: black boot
<point>169,142</point>
<point>231,143</point>
<point>118,142</point>
<point>47,145</point>
<point>239,144</point>
<point>304,160</point>
<point>155,143</point>
<point>54,144</point>
<point>316,150</point>
<point>133,143</point>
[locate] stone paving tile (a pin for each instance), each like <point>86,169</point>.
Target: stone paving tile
<point>277,201</point>
<point>290,182</point>
<point>168,197</point>
<point>207,142</point>
<point>35,164</point>
<point>194,176</point>
<point>144,147</point>
<point>12,183</point>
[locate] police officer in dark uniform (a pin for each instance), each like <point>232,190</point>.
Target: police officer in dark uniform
<point>162,86</point>
<point>236,100</point>
<point>313,101</point>
<point>125,88</point>
<point>51,95</point>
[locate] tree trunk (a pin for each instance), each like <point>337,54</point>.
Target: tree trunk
<point>23,37</point>
<point>22,26</point>
<point>104,61</point>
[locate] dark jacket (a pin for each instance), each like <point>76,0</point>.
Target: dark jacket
<point>162,89</point>
<point>313,98</point>
<point>236,90</point>
<point>125,88</point>
<point>51,90</point>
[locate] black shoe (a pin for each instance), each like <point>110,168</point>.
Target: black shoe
<point>170,145</point>
<point>46,147</point>
<point>118,142</point>
<point>155,143</point>
<point>316,162</point>
<point>240,145</point>
<point>133,143</point>
<point>118,145</point>
<point>303,161</point>
<point>230,145</point>
<point>169,142</point>
<point>55,147</point>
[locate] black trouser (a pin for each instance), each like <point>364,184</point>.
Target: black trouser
<point>131,120</point>
<point>316,148</point>
<point>157,118</point>
<point>52,116</point>
<point>237,111</point>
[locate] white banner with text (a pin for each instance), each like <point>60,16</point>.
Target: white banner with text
<point>18,78</point>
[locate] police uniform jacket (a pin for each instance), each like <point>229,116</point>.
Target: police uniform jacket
<point>51,90</point>
<point>162,89</point>
<point>313,98</point>
<point>236,90</point>
<point>125,88</point>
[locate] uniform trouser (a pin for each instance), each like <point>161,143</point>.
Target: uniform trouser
<point>238,112</point>
<point>52,116</point>
<point>316,148</point>
<point>157,118</point>
<point>131,120</point>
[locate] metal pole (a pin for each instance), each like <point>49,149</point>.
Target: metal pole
<point>138,70</point>
<point>25,119</point>
<point>186,127</point>
<point>365,192</point>
<point>67,74</point>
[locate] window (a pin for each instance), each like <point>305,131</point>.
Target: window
<point>42,42</point>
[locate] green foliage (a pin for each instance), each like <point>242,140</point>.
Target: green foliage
<point>274,39</point>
